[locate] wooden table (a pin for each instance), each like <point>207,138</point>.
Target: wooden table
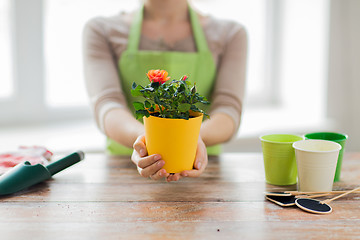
<point>105,198</point>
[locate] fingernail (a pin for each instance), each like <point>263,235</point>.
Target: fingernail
<point>161,163</point>
<point>185,174</point>
<point>142,152</point>
<point>157,157</point>
<point>198,166</point>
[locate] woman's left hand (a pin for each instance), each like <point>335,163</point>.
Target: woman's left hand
<point>201,161</point>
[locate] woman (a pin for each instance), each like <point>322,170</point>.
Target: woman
<point>164,34</point>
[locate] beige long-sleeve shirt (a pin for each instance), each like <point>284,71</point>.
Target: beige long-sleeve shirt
<point>105,38</point>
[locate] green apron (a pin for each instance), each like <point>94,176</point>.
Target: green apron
<point>134,64</point>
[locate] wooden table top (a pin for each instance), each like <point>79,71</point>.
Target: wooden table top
<point>105,198</point>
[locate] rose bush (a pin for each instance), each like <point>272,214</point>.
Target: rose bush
<point>175,99</point>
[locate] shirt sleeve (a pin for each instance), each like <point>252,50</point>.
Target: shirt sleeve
<point>101,72</point>
<point>229,87</point>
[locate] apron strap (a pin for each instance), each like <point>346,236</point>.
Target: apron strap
<point>199,36</point>
<point>135,31</point>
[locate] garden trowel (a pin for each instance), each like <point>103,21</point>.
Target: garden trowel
<point>25,175</point>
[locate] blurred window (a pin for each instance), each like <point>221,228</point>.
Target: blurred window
<point>287,55</point>
<point>6,78</point>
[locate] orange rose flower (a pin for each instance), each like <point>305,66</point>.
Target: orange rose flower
<point>160,76</point>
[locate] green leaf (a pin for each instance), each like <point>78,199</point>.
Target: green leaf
<point>138,115</point>
<point>138,106</point>
<point>205,102</point>
<point>137,91</point>
<point>166,95</point>
<point>155,84</point>
<point>181,88</point>
<point>193,89</point>
<point>148,89</point>
<point>141,113</point>
<point>157,100</point>
<point>134,85</point>
<point>184,107</point>
<point>147,104</point>
<point>195,108</point>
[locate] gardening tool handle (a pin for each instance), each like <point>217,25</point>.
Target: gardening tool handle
<point>65,162</point>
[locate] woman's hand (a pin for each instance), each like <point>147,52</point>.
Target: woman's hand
<point>201,161</point>
<point>148,166</point>
<point>151,166</point>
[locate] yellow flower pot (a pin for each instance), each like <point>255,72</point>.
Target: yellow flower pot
<point>174,139</point>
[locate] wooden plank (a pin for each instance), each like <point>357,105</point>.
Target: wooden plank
<point>185,230</point>
<point>185,191</point>
<point>174,220</point>
<point>56,212</point>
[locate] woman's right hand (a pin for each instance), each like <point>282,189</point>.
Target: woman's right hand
<point>148,166</point>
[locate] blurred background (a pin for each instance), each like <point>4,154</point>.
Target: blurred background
<point>303,70</point>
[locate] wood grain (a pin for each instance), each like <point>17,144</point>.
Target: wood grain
<point>105,198</point>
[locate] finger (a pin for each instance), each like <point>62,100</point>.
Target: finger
<point>184,173</point>
<point>159,174</point>
<point>200,159</point>
<point>152,169</point>
<point>135,158</point>
<point>200,166</point>
<point>191,173</point>
<point>173,177</point>
<point>140,146</point>
<point>148,160</point>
